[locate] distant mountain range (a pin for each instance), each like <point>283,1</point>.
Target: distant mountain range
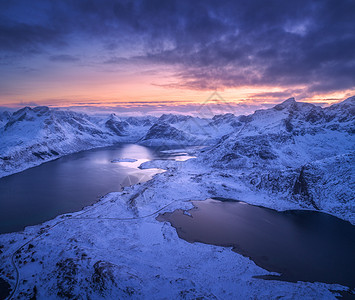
<point>288,135</point>
<point>292,156</point>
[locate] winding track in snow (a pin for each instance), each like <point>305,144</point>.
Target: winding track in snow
<point>130,201</point>
<point>11,296</point>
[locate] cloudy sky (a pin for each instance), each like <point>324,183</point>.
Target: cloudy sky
<point>175,53</point>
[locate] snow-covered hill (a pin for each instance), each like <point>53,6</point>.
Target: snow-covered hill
<point>272,147</point>
<point>294,155</point>
<point>4,117</point>
<point>186,130</point>
<point>286,150</point>
<point>165,134</point>
<point>31,136</point>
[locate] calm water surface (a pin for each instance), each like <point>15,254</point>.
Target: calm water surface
<point>72,182</point>
<point>300,245</point>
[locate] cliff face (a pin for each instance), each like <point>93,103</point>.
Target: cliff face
<point>300,189</point>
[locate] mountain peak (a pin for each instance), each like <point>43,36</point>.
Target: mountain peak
<point>289,101</point>
<point>350,100</point>
<point>285,104</point>
<point>346,107</point>
<point>22,110</point>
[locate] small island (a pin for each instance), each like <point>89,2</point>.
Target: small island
<point>131,160</point>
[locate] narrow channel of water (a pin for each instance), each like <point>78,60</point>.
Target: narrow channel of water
<point>300,245</point>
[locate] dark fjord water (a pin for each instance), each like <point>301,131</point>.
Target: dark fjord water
<point>70,183</point>
<point>300,245</point>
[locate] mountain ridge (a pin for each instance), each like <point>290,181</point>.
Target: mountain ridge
<point>30,136</point>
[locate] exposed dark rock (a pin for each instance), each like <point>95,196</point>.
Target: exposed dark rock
<point>41,110</point>
<point>54,152</point>
<point>266,154</point>
<point>165,131</point>
<point>34,293</point>
<point>300,188</point>
<point>230,156</point>
<point>103,275</point>
<point>116,126</point>
<point>67,271</point>
<point>244,119</point>
<point>287,103</point>
<point>288,125</point>
<point>255,146</point>
<point>314,116</point>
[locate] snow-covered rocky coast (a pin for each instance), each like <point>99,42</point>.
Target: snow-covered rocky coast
<point>293,156</point>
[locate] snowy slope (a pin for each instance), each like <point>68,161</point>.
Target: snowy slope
<point>116,249</point>
<point>275,147</point>
<point>292,156</point>
<point>32,136</point>
<point>163,133</point>
<point>186,130</point>
<point>4,117</point>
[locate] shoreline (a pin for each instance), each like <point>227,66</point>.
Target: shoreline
<point>128,215</point>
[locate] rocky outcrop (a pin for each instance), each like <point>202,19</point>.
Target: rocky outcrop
<point>116,126</point>
<point>165,134</point>
<point>300,189</point>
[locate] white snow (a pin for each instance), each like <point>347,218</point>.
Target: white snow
<point>116,248</point>
<point>145,257</point>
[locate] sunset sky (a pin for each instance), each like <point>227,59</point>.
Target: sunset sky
<point>171,54</point>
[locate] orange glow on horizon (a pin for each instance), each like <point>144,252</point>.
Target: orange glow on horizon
<point>137,89</point>
<point>139,96</point>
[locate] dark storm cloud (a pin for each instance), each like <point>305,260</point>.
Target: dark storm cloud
<point>212,44</point>
<point>19,37</point>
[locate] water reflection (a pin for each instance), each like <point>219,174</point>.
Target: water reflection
<point>300,245</point>
<point>70,183</point>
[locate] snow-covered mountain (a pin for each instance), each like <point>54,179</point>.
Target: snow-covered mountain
<point>173,119</point>
<point>116,125</point>
<point>4,117</point>
<point>31,136</point>
<point>290,148</point>
<point>288,135</point>
<point>172,129</point>
<point>162,133</point>
<point>294,155</point>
